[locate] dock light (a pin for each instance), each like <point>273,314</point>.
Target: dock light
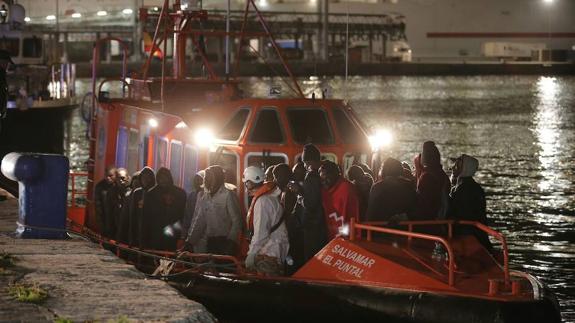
<point>181,125</point>
<point>380,138</point>
<point>204,137</point>
<point>27,19</point>
<point>50,17</point>
<point>127,11</point>
<point>153,123</point>
<point>76,15</point>
<point>548,1</point>
<point>102,13</point>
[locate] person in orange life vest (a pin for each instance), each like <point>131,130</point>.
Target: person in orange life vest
<point>340,201</point>
<point>269,244</point>
<point>309,198</point>
<point>433,186</point>
<point>217,220</point>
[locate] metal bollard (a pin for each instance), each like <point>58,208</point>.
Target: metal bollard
<point>43,188</point>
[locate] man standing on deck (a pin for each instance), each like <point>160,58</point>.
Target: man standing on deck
<point>269,244</point>
<point>101,202</point>
<point>5,60</point>
<point>309,196</point>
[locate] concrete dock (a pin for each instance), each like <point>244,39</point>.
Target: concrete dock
<point>83,283</point>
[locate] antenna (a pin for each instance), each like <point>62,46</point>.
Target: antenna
<point>346,50</point>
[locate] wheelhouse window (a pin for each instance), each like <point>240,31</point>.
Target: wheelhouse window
<point>348,132</point>
<point>267,128</point>
<point>133,151</point>
<point>190,167</point>
<point>121,147</point>
<point>161,153</point>
<point>233,129</point>
<point>309,125</point>
<point>11,45</point>
<point>32,47</point>
<point>265,161</point>
<point>176,161</point>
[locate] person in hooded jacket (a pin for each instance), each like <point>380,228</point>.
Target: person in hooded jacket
<point>339,198</point>
<point>217,221</point>
<point>164,206</point>
<point>467,199</point>
<point>309,197</point>
<point>362,182</point>
<point>101,202</point>
<point>432,185</point>
<point>393,197</point>
<point>147,181</point>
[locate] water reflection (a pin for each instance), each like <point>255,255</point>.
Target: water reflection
<point>547,119</point>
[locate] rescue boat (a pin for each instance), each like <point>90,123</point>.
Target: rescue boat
<point>372,272</point>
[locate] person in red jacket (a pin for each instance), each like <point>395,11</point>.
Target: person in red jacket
<point>433,186</point>
<point>339,198</point>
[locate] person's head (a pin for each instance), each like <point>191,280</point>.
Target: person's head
<point>214,178</point>
<point>311,157</point>
<point>111,174</point>
<point>282,175</point>
<point>329,173</point>
<point>122,177</point>
<point>298,171</point>
<point>269,177</point>
<point>164,177</point>
<point>198,181</point>
<point>135,183</point>
<point>147,178</point>
<point>391,168</point>
<point>366,169</point>
<point>465,166</point>
<point>5,59</point>
<point>430,156</point>
<point>355,173</point>
<point>253,177</point>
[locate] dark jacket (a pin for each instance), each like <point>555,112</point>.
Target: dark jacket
<point>467,202</point>
<point>390,197</point>
<point>163,206</point>
<point>432,194</point>
<point>314,226</point>
<point>102,206</point>
<point>363,187</point>
<point>3,93</point>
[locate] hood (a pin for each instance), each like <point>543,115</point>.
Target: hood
<point>469,166</point>
<point>430,155</point>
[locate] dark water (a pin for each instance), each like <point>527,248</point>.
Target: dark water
<point>522,130</point>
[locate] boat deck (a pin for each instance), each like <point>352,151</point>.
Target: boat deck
<point>84,282</point>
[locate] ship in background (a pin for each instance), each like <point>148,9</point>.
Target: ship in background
<point>41,95</point>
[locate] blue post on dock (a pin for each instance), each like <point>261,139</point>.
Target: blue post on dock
<point>43,189</point>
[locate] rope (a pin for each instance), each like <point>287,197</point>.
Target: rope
<point>93,237</point>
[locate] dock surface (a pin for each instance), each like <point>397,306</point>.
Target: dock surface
<point>83,283</point>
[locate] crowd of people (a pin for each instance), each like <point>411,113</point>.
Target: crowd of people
<point>293,212</point>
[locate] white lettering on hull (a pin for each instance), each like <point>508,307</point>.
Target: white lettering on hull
<point>351,263</point>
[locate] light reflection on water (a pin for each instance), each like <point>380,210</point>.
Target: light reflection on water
<point>521,128</point>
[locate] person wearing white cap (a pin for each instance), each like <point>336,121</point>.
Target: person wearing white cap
<point>269,244</point>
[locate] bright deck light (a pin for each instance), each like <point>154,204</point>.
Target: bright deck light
<point>101,13</point>
<point>153,123</point>
<point>204,137</point>
<point>127,11</point>
<point>76,15</point>
<point>381,138</point>
<point>181,125</point>
<point>50,17</point>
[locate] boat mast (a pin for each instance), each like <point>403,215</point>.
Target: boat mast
<point>228,41</point>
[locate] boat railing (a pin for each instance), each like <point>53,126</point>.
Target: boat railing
<point>376,226</point>
<point>357,227</point>
<point>77,192</point>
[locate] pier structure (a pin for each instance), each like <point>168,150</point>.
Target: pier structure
<point>79,281</point>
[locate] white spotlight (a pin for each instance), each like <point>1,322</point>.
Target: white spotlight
<point>76,15</point>
<point>204,137</point>
<point>381,138</point>
<point>50,17</point>
<point>127,11</point>
<point>153,123</point>
<point>102,13</point>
